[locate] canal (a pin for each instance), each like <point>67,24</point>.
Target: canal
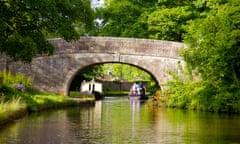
<point>116,120</point>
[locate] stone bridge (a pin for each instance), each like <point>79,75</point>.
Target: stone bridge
<point>55,73</point>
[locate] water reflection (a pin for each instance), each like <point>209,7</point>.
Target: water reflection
<point>119,120</point>
<point>135,106</point>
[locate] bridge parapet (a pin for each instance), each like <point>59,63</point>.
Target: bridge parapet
<point>111,45</point>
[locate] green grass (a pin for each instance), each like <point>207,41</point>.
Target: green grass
<point>11,109</point>
<point>79,95</point>
<point>23,103</point>
<point>11,106</point>
<point>14,103</point>
<point>39,102</point>
<point>33,102</point>
<point>115,92</point>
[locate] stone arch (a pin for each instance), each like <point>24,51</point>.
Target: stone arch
<point>53,73</point>
<point>69,81</point>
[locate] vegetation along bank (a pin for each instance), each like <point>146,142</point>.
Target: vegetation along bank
<point>17,98</point>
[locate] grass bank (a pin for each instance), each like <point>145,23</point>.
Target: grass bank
<point>77,94</point>
<point>11,110</point>
<point>119,93</point>
<point>17,98</point>
<point>106,93</point>
<point>24,103</point>
<point>115,93</point>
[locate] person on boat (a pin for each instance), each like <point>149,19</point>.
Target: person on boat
<point>134,89</point>
<point>140,85</point>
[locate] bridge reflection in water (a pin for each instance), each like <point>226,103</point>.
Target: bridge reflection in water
<point>119,120</point>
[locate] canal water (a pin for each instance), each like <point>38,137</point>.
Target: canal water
<point>117,120</point>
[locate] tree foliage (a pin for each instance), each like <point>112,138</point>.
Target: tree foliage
<point>118,18</point>
<point>214,45</point>
<point>24,25</point>
<point>169,23</point>
<point>213,52</point>
<point>155,19</point>
<point>127,72</point>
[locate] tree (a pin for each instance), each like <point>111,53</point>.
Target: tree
<point>118,18</point>
<point>214,45</point>
<point>125,18</point>
<point>213,52</point>
<point>24,25</point>
<point>169,24</point>
<point>128,72</point>
<point>170,20</point>
<point>155,19</point>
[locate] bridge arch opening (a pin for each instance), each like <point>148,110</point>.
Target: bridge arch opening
<point>106,72</point>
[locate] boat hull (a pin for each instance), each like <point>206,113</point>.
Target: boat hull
<point>134,97</point>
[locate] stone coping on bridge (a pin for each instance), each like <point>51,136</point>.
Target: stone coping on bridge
<point>114,45</point>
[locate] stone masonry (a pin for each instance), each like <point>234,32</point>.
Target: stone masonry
<point>55,73</point>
